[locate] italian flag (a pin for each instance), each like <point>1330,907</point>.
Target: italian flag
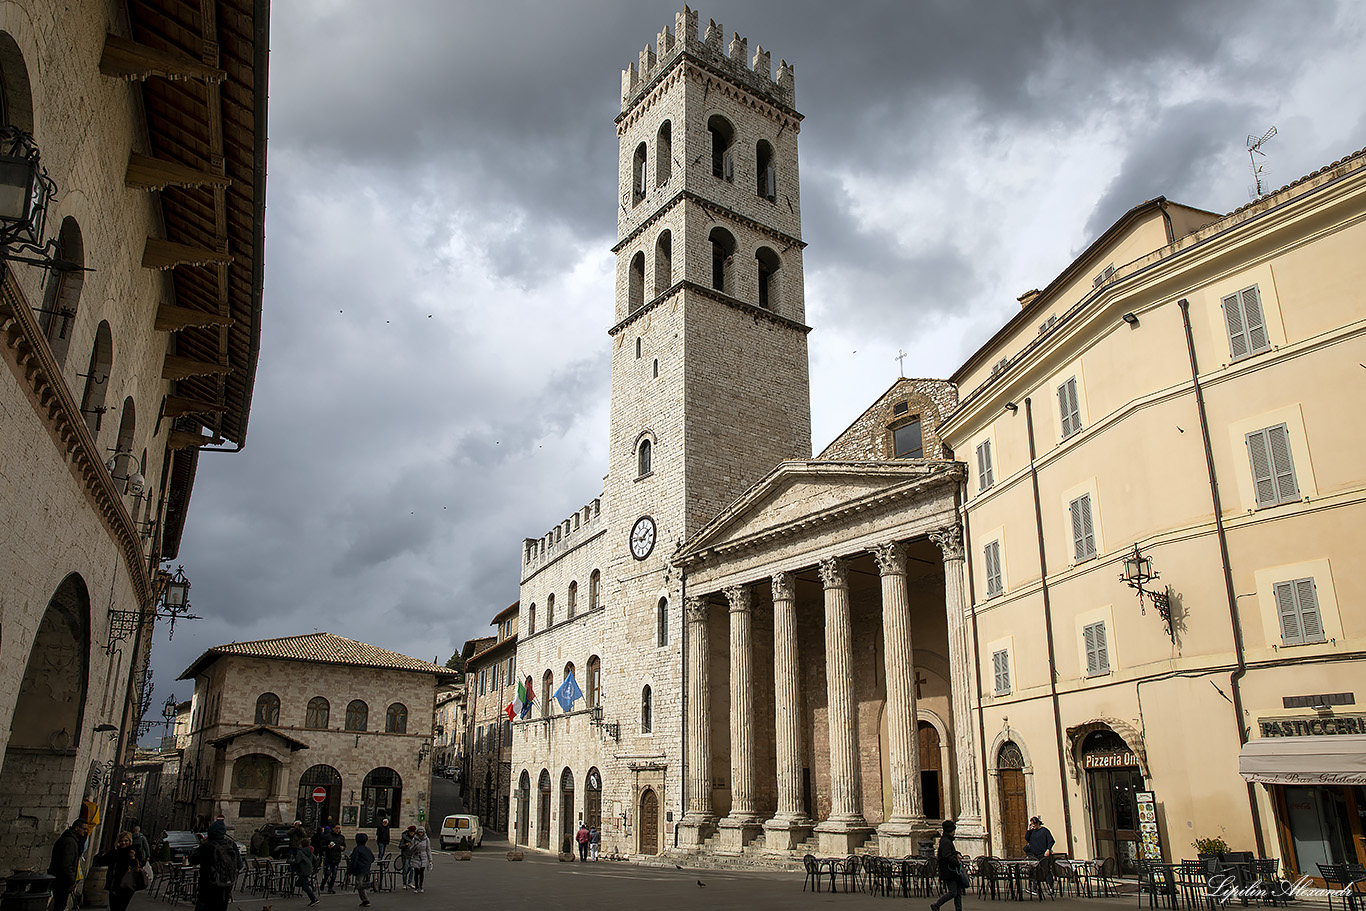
<point>521,703</point>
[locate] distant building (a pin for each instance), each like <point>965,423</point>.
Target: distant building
<point>313,727</point>
<point>449,727</point>
<point>490,674</point>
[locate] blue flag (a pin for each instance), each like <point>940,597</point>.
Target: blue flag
<point>568,692</point>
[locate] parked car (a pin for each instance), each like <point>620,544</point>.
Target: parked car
<point>277,838</point>
<point>454,828</point>
<point>181,843</point>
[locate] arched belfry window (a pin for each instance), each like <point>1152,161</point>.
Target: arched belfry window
<point>722,259</point>
<point>646,710</point>
<point>97,379</point>
<point>638,176</point>
<point>664,263</point>
<point>643,458</point>
<point>595,590</point>
<point>662,622</point>
<point>664,152</point>
<point>593,691</point>
<point>768,264</point>
<point>124,462</point>
<point>767,184</point>
<point>268,709</point>
<point>722,135</point>
<point>549,611</point>
<point>16,96</point>
<point>639,347</point>
<point>531,620</point>
<point>62,295</point>
<point>547,687</point>
<point>635,292</point>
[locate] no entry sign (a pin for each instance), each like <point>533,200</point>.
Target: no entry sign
<point>319,794</point>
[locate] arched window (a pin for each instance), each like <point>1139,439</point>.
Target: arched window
<point>594,590</point>
<point>636,285</point>
<point>396,719</point>
<point>97,378</point>
<point>656,368</point>
<point>664,263</point>
<point>531,620</point>
<point>763,170</point>
<point>16,98</point>
<point>318,714</point>
<point>768,264</point>
<point>547,687</point>
<point>123,466</point>
<point>568,671</point>
<point>62,295</point>
<point>662,622</point>
<point>549,611</point>
<point>357,715</point>
<point>268,709</point>
<point>573,600</point>
<point>646,710</point>
<point>640,346</point>
<point>722,257</point>
<point>664,153</point>
<point>593,692</point>
<point>722,135</point>
<point>638,178</point>
<point>643,457</point>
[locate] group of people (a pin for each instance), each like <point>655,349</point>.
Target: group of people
<point>590,842</point>
<point>1038,846</point>
<point>327,845</point>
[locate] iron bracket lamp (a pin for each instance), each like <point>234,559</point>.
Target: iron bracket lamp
<point>168,599</point>
<point>26,194</point>
<point>1138,571</point>
<point>424,751</point>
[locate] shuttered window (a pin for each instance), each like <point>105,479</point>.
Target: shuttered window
<point>1245,323</point>
<point>1273,471</point>
<point>1083,532</point>
<point>1068,407</point>
<point>1297,603</point>
<point>1000,666</point>
<point>985,476</point>
<point>992,558</point>
<point>1097,652</point>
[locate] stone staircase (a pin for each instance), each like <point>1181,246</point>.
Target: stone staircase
<point>755,856</point>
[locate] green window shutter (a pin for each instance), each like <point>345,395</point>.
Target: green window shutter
<point>1254,321</point>
<point>1237,328</point>
<point>1291,633</point>
<point>1311,620</point>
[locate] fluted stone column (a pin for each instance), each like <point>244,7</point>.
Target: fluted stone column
<point>845,828</point>
<point>740,826</point>
<point>790,826</point>
<point>698,822</point>
<point>903,740</point>
<point>950,541</point>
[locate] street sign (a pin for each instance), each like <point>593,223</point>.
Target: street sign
<point>319,794</point>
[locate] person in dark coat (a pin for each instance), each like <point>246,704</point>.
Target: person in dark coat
<point>140,843</point>
<point>333,851</point>
<point>65,866</point>
<point>124,865</point>
<point>303,863</point>
<point>381,838</point>
<point>359,867</point>
<point>950,868</point>
<point>218,863</point>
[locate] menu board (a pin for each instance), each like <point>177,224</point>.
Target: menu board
<point>1149,840</point>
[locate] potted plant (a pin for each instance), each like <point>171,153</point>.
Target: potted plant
<point>1211,852</point>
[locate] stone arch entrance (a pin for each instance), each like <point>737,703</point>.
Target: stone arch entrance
<point>313,812</point>
<point>592,801</point>
<point>543,811</point>
<point>523,810</point>
<point>1010,786</point>
<point>649,822</point>
<point>381,796</point>
<point>568,824</point>
<point>931,771</point>
<point>45,729</point>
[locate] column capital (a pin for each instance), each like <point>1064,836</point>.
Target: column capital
<point>784,587</point>
<point>950,541</point>
<point>833,573</point>
<point>891,558</point>
<point>739,598</point>
<point>695,609</point>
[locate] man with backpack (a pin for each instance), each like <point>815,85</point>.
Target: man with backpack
<point>218,863</point>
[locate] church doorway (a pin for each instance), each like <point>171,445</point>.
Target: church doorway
<point>649,822</point>
<point>592,801</point>
<point>543,812</point>
<point>567,826</point>
<point>930,776</point>
<point>1011,785</point>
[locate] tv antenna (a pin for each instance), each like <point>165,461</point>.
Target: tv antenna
<point>1254,148</point>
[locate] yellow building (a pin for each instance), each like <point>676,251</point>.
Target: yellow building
<point>1178,407</point>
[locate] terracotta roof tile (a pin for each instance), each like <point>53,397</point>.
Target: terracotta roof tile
<point>322,648</point>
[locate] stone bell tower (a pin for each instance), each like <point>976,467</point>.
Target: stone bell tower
<point>710,383</point>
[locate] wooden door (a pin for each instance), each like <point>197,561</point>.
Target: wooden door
<point>543,820</point>
<point>649,822</point>
<point>1014,815</point>
<point>929,770</point>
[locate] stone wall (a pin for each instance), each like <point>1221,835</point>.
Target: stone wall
<point>869,438</point>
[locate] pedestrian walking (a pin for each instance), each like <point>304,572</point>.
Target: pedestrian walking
<point>381,838</point>
<point>950,870</point>
<point>358,867</point>
<point>1039,845</point>
<point>419,858</point>
<point>333,850</point>
<point>303,873</point>
<point>125,871</point>
<point>140,843</point>
<point>583,837</point>
<point>65,865</point>
<point>594,842</point>
<point>405,847</point>
<point>298,838</point>
<point>218,863</point>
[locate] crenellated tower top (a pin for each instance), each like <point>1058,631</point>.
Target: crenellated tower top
<point>731,59</point>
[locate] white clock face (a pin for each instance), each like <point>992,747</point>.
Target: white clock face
<point>643,537</point>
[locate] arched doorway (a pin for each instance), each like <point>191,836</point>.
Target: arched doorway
<point>1014,810</point>
<point>381,797</point>
<point>1112,777</point>
<point>314,812</point>
<point>568,825</point>
<point>523,809</point>
<point>649,822</point>
<point>930,777</point>
<point>543,811</point>
<point>592,801</point>
<point>45,729</point>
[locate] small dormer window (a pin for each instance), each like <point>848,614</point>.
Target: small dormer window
<point>900,408</point>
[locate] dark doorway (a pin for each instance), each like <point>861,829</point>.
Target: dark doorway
<point>930,770</point>
<point>543,812</point>
<point>523,810</point>
<point>592,801</point>
<point>649,822</point>
<point>312,812</point>
<point>1112,777</point>
<point>567,822</point>
<point>381,797</point>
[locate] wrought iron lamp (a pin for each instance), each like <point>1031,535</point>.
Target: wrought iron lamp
<point>26,193</point>
<point>424,751</point>
<point>168,599</point>
<point>1138,572</point>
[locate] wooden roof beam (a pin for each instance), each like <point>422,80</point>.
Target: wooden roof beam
<point>184,439</point>
<point>177,405</point>
<point>148,173</point>
<point>181,368</point>
<point>173,319</point>
<point>163,254</point>
<point>124,58</point>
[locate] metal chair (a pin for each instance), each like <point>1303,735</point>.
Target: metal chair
<point>813,873</point>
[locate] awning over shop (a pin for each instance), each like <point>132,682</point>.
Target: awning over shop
<point>1339,759</point>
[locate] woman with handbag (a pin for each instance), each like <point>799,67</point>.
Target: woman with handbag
<point>951,872</point>
<point>126,875</point>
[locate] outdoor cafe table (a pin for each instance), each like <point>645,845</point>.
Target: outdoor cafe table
<point>1016,873</point>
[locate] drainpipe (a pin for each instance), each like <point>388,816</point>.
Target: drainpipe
<point>985,778</point>
<point>1048,627</point>
<point>682,613</point>
<point>1237,675</point>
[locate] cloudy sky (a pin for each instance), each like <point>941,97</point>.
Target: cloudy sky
<point>433,381</point>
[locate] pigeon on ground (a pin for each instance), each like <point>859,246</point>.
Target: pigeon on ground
<point>701,885</point>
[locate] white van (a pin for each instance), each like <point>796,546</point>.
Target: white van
<point>454,828</point>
